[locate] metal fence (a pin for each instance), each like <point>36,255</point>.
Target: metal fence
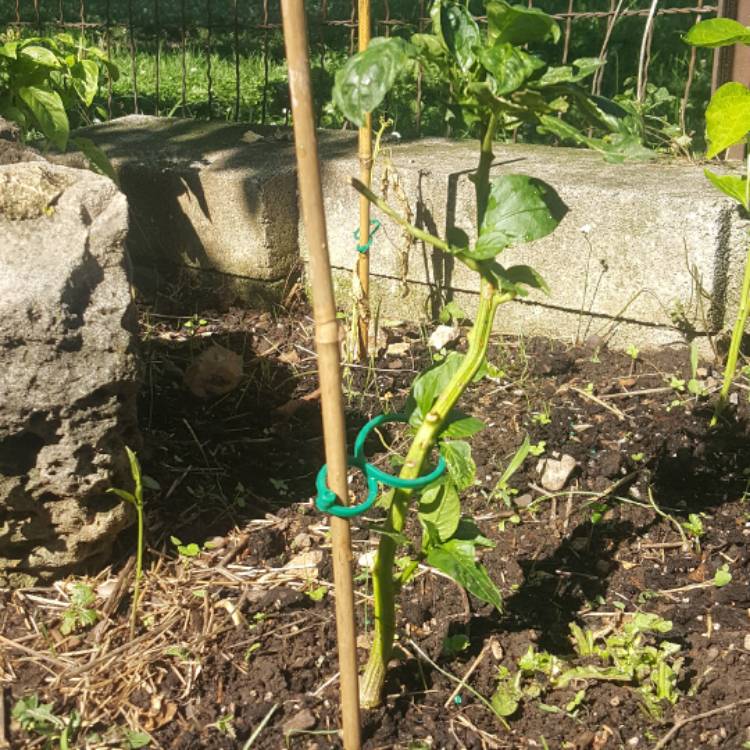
<point>224,58</point>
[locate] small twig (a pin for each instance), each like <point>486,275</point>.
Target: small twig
<point>232,554</point>
<point>664,741</point>
<point>254,736</point>
<point>620,415</point>
<point>453,678</point>
<point>468,674</point>
<point>318,690</point>
<point>641,392</point>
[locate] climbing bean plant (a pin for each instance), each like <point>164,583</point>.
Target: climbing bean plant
<point>728,123</point>
<point>492,80</point>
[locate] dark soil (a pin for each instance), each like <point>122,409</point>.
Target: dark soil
<point>241,468</point>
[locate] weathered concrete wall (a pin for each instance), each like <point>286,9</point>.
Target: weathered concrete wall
<point>624,260</point>
<point>623,263</point>
<point>213,198</point>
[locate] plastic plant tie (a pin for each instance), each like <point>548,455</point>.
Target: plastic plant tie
<point>327,502</point>
<point>374,226</point>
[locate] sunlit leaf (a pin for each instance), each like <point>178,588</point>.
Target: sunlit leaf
<point>461,467</point>
<point>460,33</point>
<point>456,558</point>
<point>509,67</point>
<point>520,209</point>
<point>47,108</point>
<point>440,505</point>
<point>727,117</point>
<point>519,25</point>
<point>717,32</point>
<point>365,79</point>
<point>731,185</point>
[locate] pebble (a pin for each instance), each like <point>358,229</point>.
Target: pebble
<point>398,348</point>
<point>301,721</point>
<point>523,501</point>
<point>555,473</point>
<point>442,336</point>
<point>746,642</point>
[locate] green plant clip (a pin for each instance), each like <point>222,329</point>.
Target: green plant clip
<point>374,226</point>
<point>326,501</point>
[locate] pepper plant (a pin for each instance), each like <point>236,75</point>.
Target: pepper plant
<point>728,123</point>
<point>45,81</point>
<point>492,81</point>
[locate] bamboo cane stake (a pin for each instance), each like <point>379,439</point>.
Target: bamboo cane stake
<point>327,345</point>
<point>365,175</point>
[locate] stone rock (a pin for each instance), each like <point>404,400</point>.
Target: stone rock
<point>215,372</point>
<point>442,336</point>
<point>9,131</point>
<point>300,722</point>
<point>556,472</point>
<point>68,370</point>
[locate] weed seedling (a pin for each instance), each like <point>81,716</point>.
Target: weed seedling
<point>80,613</point>
<point>135,498</point>
<point>38,718</point>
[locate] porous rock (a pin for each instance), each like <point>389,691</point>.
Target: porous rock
<point>68,370</point>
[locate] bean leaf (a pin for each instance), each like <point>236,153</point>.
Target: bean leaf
<point>519,25</point>
<point>717,32</point>
<point>727,117</point>
<point>520,209</point>
<point>365,79</point>
<point>517,278</point>
<point>456,558</point>
<point>462,426</point>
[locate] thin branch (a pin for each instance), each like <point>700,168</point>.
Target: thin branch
<point>664,741</point>
<point>419,234</point>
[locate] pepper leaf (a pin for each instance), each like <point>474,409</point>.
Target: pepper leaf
<point>456,558</point>
<point>727,117</point>
<point>717,32</point>
<point>365,79</point>
<point>519,25</point>
<point>520,209</point>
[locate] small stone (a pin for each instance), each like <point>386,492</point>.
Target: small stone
<point>442,336</point>
<point>215,372</point>
<point>555,473</point>
<point>523,501</point>
<point>746,642</point>
<point>302,541</point>
<point>497,651</point>
<point>398,349</point>
<point>300,722</point>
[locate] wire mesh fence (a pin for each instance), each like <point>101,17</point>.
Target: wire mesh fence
<point>224,58</point>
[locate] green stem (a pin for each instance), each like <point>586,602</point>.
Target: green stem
<point>737,332</point>
<point>384,584</point>
<point>138,571</point>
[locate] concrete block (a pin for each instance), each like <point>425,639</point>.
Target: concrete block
<point>211,196</point>
<point>624,263</point>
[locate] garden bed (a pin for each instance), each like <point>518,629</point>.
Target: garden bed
<point>236,637</point>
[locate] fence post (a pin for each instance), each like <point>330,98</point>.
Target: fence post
<point>733,63</point>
